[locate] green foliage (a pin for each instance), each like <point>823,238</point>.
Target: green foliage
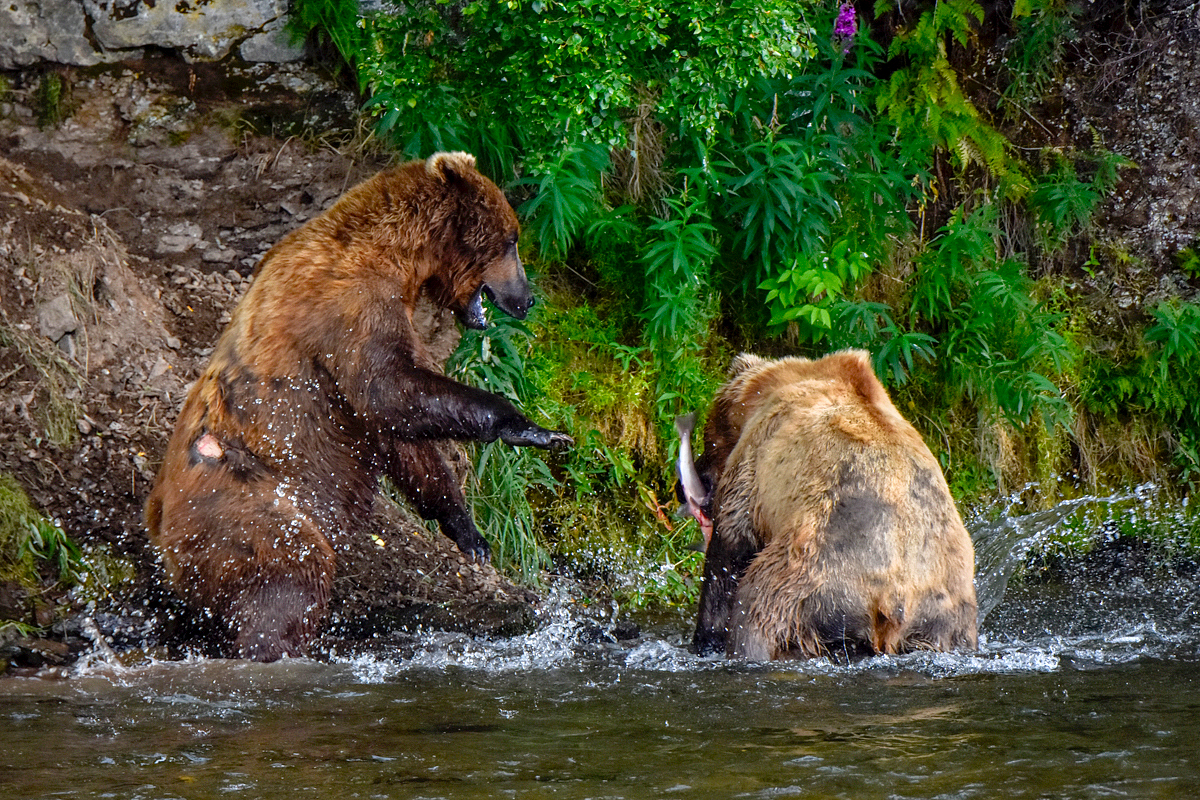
<point>332,21</point>
<point>812,195</point>
<point>698,180</point>
<point>45,541</point>
<point>1177,333</point>
<point>926,102</point>
<point>894,352</point>
<point>1150,379</point>
<point>27,539</point>
<point>1061,204</point>
<point>52,100</point>
<point>1033,57</point>
<point>678,261</point>
<point>567,195</point>
<point>1188,261</point>
<point>542,74</point>
<point>505,478</point>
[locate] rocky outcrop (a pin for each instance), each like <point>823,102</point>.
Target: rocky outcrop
<point>88,32</point>
<point>1137,92</point>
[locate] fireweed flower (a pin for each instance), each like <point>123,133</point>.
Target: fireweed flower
<point>845,26</point>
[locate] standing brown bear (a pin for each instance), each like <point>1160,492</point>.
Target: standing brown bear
<point>320,384</point>
<point>832,529</point>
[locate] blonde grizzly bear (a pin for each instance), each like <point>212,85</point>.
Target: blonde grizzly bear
<point>833,530</point>
<point>320,384</point>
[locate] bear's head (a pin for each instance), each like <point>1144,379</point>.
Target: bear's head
<point>483,248</point>
<point>752,383</point>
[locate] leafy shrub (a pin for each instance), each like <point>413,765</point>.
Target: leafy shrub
<point>695,181</point>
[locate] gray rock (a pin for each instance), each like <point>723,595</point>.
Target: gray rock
<point>45,30</point>
<point>201,31</point>
<point>56,318</point>
<point>273,45</point>
<point>88,32</point>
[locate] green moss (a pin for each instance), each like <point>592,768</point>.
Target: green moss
<point>53,100</point>
<point>17,514</point>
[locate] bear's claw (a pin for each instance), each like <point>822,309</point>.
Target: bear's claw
<point>538,437</point>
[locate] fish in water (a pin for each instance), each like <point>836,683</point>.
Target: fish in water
<point>697,498</point>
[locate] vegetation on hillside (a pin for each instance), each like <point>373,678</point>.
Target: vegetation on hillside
<point>789,177</point>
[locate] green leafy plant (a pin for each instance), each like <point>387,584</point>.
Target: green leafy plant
<point>926,103</point>
<point>27,539</point>
<point>1177,332</point>
<point>1188,261</point>
<point>47,542</point>
<point>53,100</point>
<point>505,478</point>
<point>1062,204</point>
<point>567,195</point>
<point>698,181</point>
<point>1033,58</point>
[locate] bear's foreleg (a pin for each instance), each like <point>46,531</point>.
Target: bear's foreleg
<point>724,564</point>
<point>414,404</point>
<point>420,472</point>
<point>734,544</point>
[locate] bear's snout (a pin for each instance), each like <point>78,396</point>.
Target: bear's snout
<point>514,297</point>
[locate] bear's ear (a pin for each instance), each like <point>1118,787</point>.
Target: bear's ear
<point>448,167</point>
<point>743,362</point>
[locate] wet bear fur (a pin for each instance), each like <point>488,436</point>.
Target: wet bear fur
<point>834,531</point>
<point>320,384</point>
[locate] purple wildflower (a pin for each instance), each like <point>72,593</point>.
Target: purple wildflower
<point>845,26</point>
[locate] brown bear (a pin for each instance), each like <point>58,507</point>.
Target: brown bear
<point>833,530</point>
<point>320,384</point>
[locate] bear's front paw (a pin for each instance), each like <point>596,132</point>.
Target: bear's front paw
<point>475,548</point>
<point>535,436</point>
<point>709,642</point>
<point>560,441</point>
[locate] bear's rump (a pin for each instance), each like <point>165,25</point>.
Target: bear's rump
<point>216,540</point>
<point>854,566</point>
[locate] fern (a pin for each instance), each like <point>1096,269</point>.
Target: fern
<point>927,105</point>
<point>568,193</point>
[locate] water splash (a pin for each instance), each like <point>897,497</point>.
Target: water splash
<point>1078,624</point>
<point>1002,544</point>
<point>563,629</point>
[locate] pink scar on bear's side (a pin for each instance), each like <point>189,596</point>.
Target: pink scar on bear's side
<point>208,446</point>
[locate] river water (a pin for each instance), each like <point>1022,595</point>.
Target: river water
<point>1083,692</point>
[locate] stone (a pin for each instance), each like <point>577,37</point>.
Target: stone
<point>273,45</point>
<point>201,31</point>
<point>32,31</point>
<point>56,318</point>
<point>88,32</point>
